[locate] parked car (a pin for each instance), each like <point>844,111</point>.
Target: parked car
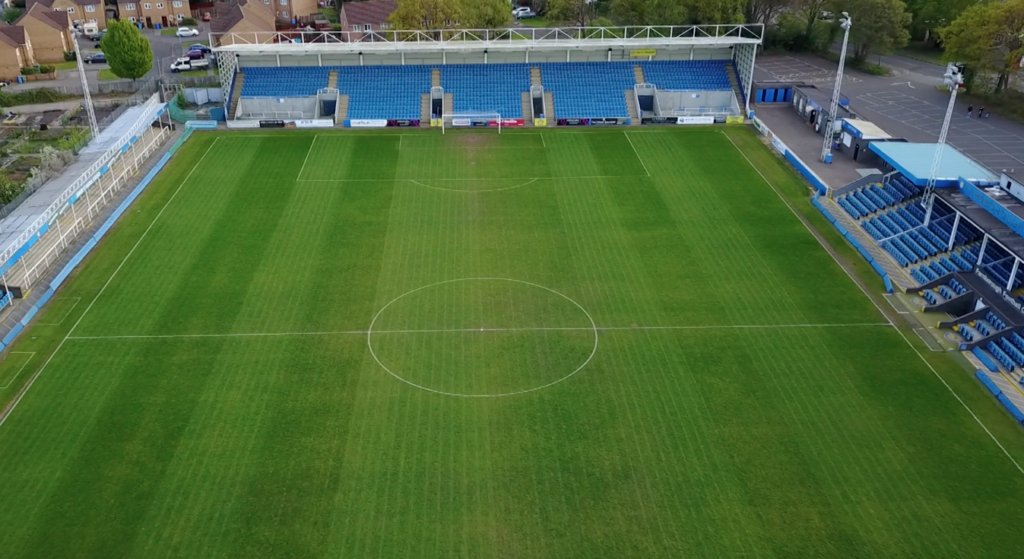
<point>186,32</point>
<point>523,13</point>
<point>97,37</point>
<point>194,54</point>
<point>201,47</point>
<point>185,64</point>
<point>95,58</point>
<point>206,16</point>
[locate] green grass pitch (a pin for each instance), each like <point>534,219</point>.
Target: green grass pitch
<point>599,343</point>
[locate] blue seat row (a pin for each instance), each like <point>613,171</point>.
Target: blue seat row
<point>487,87</point>
<point>1017,340</point>
<point>688,74</point>
<point>984,327</point>
<point>957,286</point>
<point>994,320</point>
<point>292,81</point>
<point>588,90</point>
<point>1016,354</point>
<point>1000,356</point>
<point>966,332</point>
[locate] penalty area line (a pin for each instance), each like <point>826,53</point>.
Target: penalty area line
<point>6,412</point>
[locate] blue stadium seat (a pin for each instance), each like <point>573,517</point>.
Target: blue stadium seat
<point>487,87</point>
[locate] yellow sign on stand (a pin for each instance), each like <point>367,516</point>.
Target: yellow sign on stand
<point>540,122</point>
<point>734,120</point>
<point>643,53</point>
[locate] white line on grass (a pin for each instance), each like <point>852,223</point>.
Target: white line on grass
<point>6,412</point>
<point>868,295</point>
<point>66,314</point>
<point>306,160</point>
<point>30,354</point>
<point>483,330</point>
<point>638,158</point>
<point>392,179</point>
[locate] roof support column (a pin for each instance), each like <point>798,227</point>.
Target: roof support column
<point>1013,274</point>
<point>278,60</point>
<point>928,210</point>
<point>952,234</point>
<point>981,253</point>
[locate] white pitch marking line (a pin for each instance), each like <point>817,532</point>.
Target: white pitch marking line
<point>306,160</point>
<point>577,177</point>
<point>630,140</point>
<point>66,314</point>
<point>6,412</point>
<point>893,325</point>
<point>514,186</point>
<point>30,354</point>
<point>485,330</point>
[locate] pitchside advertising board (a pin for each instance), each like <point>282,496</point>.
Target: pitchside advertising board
<point>382,123</point>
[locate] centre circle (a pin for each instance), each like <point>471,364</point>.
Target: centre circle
<point>482,337</point>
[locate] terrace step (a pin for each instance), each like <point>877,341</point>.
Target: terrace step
<point>638,73</point>
<point>236,94</point>
<point>435,78</point>
<point>527,108</point>
<point>535,77</point>
<point>424,109</point>
<point>631,107</point>
<point>341,112</point>
<point>549,105</point>
<point>332,79</point>
<point>448,105</point>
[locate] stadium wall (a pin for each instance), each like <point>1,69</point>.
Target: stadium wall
<point>1017,414</point>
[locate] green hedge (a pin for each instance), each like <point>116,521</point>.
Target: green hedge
<point>29,96</point>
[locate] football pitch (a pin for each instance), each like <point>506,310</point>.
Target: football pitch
<point>601,343</point>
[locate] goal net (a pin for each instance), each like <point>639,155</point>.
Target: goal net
<point>471,120</point>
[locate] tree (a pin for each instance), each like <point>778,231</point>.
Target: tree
<point>128,52</point>
<point>811,11</point>
<point>715,11</point>
<point>765,11</point>
<point>930,15</point>
<point>647,12</point>
<point>573,12</point>
<point>444,14</point>
<point>878,25</point>
<point>11,14</point>
<point>988,38</point>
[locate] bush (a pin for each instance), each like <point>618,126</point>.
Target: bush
<point>47,69</point>
<point>70,56</point>
<point>29,96</point>
<point>788,34</point>
<point>29,70</point>
<point>188,22</point>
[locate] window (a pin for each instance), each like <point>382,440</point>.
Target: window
<point>129,7</point>
<point>284,2</point>
<point>132,19</point>
<point>181,17</point>
<point>159,5</point>
<point>367,27</point>
<point>90,8</point>
<point>147,6</point>
<point>71,10</point>
<point>355,28</point>
<point>176,3</point>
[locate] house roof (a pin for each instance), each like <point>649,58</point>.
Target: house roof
<point>228,17</point>
<point>13,35</point>
<point>49,3</point>
<point>54,18</point>
<point>368,11</point>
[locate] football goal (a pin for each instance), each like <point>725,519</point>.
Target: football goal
<point>470,120</point>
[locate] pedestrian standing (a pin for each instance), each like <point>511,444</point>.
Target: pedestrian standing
<point>970,110</point>
<point>981,112</point>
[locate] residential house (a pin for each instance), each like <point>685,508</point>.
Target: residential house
<point>293,10</point>
<point>152,12</point>
<point>15,51</point>
<point>244,17</point>
<point>80,12</point>
<point>369,15</point>
<point>49,30</point>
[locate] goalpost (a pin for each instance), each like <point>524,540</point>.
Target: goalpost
<point>471,120</point>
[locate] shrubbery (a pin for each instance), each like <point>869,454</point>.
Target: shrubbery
<point>29,96</point>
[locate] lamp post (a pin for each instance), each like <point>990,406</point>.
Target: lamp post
<point>87,98</point>
<point>954,78</point>
<point>826,146</point>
